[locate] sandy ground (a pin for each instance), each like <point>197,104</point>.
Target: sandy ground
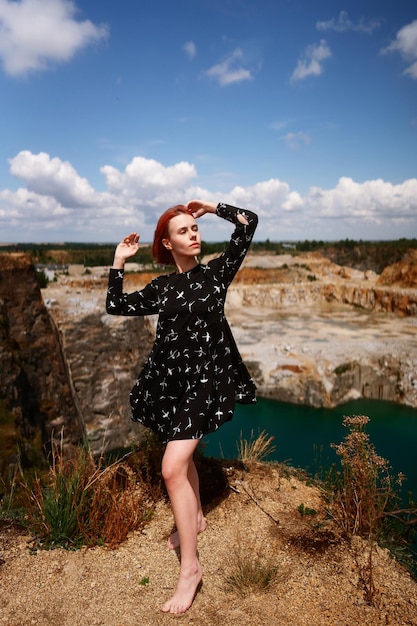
<point>320,579</point>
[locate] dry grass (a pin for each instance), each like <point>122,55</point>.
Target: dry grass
<point>256,448</point>
<point>83,501</point>
<point>250,573</point>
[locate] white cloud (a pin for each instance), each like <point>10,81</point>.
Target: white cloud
<point>371,201</point>
<point>57,204</point>
<point>406,44</point>
<point>190,49</point>
<point>311,63</point>
<point>295,140</point>
<point>230,70</point>
<point>343,23</point>
<point>52,177</point>
<point>38,33</point>
<point>147,183</point>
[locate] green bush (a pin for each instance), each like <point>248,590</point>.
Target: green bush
<point>82,501</point>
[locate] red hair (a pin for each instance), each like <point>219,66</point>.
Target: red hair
<point>159,252</point>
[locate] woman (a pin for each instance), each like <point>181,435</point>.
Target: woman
<point>194,373</point>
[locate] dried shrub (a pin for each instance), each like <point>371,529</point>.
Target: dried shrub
<point>365,489</point>
<point>83,501</point>
<point>364,493</point>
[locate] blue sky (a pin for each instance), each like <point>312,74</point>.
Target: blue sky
<point>304,111</point>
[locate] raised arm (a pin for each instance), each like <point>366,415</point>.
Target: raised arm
<point>144,302</point>
<point>245,222</point>
<point>127,248</point>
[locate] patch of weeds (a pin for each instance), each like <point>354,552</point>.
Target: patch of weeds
<point>250,574</point>
<point>83,501</point>
<point>305,510</point>
<point>144,581</point>
<point>256,448</point>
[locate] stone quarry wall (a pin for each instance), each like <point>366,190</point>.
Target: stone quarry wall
<point>37,402</point>
<point>105,354</point>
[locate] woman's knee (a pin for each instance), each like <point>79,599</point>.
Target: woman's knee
<point>176,461</point>
<point>173,469</point>
<point>169,471</point>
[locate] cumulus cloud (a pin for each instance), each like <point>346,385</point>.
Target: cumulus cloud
<point>311,63</point>
<point>343,23</point>
<point>56,203</point>
<point>54,178</point>
<point>147,183</point>
<point>372,201</point>
<point>38,33</point>
<point>406,44</point>
<point>190,49</point>
<point>230,70</point>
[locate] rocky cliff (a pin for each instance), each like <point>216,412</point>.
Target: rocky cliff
<point>37,403</point>
<point>104,355</point>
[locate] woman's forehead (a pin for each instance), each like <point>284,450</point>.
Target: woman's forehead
<point>183,220</point>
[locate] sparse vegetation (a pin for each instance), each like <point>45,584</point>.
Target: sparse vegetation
<point>305,510</point>
<point>365,496</point>
<point>364,490</point>
<point>84,501</point>
<point>255,448</point>
<point>250,573</point>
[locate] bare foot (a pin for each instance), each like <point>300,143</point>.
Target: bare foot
<point>184,593</point>
<point>174,540</point>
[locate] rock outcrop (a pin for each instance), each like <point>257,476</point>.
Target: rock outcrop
<point>37,403</point>
<point>104,355</point>
<point>402,274</point>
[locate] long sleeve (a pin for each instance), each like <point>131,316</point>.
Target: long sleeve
<point>231,259</point>
<point>144,302</point>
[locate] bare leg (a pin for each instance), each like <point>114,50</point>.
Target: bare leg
<point>174,540</point>
<point>176,472</point>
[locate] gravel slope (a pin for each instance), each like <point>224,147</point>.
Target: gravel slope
<point>320,578</point>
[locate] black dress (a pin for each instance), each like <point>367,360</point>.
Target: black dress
<point>194,373</point>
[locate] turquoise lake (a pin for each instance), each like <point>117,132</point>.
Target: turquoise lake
<point>303,435</point>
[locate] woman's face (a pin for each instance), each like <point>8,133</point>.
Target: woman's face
<point>184,238</point>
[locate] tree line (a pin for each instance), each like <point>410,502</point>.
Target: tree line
<point>358,254</point>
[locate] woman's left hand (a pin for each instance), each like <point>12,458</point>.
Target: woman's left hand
<point>197,208</point>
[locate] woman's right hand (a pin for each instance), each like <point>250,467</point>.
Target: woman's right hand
<point>127,248</point>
